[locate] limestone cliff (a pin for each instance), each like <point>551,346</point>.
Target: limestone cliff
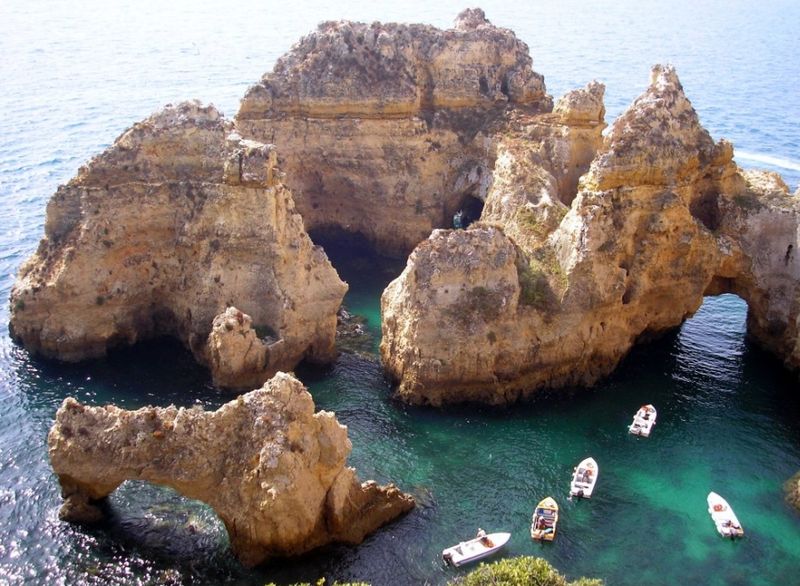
<point>272,469</point>
<point>384,129</point>
<point>176,221</point>
<point>662,217</point>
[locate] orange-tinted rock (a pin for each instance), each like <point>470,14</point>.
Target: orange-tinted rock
<point>662,217</point>
<point>384,129</point>
<point>273,470</point>
<point>176,221</point>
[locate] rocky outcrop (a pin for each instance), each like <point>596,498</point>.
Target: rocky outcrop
<point>585,243</point>
<point>272,469</point>
<point>548,291</point>
<point>178,220</point>
<point>237,356</point>
<point>384,129</point>
<point>792,490</point>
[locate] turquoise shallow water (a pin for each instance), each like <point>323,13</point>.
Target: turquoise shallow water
<point>74,76</point>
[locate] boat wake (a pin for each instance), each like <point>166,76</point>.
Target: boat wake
<point>780,162</point>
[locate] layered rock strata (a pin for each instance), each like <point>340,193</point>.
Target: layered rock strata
<point>178,220</point>
<point>585,243</point>
<point>397,117</point>
<point>272,469</point>
<point>547,291</point>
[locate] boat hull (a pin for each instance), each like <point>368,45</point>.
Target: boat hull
<point>584,479</point>
<point>476,549</point>
<point>643,421</point>
<point>545,520</point>
<point>725,520</point>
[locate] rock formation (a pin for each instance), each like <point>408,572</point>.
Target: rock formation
<point>792,489</point>
<point>370,118</point>
<point>585,243</point>
<point>272,469</point>
<point>178,220</point>
<point>549,291</point>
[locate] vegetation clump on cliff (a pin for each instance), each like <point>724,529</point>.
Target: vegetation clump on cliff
<point>517,571</point>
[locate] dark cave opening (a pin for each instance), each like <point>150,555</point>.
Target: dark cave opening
<point>468,212</point>
<point>706,209</point>
<point>355,257</point>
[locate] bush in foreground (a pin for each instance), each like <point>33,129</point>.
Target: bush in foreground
<point>526,570</point>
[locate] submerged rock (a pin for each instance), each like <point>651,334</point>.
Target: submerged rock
<point>662,217</point>
<point>272,469</point>
<point>792,489</point>
<point>176,221</point>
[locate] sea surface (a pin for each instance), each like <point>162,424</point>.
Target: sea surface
<point>74,75</point>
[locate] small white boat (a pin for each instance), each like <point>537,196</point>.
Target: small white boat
<point>643,421</point>
<point>584,478</point>
<point>475,549</point>
<point>545,520</point>
<point>723,516</point>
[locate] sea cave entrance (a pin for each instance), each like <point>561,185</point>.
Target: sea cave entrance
<point>709,346</point>
<point>468,211</point>
<point>367,273</point>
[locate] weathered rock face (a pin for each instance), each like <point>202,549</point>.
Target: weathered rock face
<point>384,128</point>
<point>272,469</point>
<point>179,219</point>
<point>662,217</point>
<point>792,490</point>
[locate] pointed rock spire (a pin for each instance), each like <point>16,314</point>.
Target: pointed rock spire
<point>658,140</point>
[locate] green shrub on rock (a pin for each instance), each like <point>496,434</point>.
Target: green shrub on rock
<point>525,570</point>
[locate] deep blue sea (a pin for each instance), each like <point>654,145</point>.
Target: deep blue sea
<point>74,75</point>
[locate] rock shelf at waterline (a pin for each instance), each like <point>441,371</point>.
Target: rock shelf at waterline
<point>584,243</point>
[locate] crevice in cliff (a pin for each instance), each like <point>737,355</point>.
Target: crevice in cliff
<point>425,96</point>
<point>705,208</point>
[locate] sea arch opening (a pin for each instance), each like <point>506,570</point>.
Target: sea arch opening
<point>160,519</point>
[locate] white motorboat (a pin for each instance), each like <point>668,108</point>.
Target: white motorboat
<point>584,478</point>
<point>723,516</point>
<point>643,421</point>
<point>475,549</point>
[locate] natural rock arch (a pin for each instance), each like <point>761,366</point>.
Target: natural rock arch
<point>539,294</point>
<point>272,469</point>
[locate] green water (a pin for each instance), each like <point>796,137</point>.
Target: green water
<point>727,421</point>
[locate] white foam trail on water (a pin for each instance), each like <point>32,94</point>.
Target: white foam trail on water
<point>768,160</point>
